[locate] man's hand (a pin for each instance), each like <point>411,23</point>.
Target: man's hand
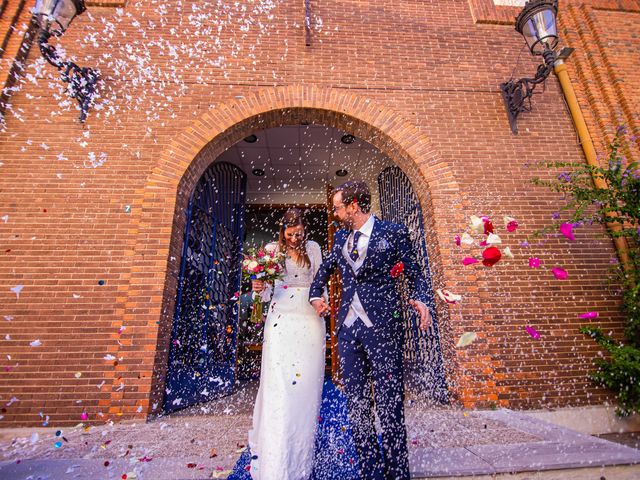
<point>425,314</point>
<point>321,307</point>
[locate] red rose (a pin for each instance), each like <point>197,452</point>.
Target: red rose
<point>491,256</point>
<point>397,270</point>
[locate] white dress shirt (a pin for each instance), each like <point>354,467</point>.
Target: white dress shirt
<point>356,310</point>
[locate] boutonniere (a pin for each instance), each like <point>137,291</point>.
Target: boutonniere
<point>381,245</point>
<point>397,270</point>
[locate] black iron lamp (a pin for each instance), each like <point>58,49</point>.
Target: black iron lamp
<point>537,24</point>
<point>54,16</point>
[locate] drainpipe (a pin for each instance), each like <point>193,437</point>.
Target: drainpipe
<point>560,69</point>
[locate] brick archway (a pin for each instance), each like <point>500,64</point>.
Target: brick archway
<point>149,304</point>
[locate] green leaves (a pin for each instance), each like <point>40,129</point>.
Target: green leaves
<point>588,202</point>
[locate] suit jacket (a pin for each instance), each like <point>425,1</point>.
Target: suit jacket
<point>377,289</point>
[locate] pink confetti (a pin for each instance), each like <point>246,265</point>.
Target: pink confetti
<point>458,240</point>
<point>560,273</point>
<point>512,226</point>
<point>533,332</point>
<point>84,416</point>
<point>534,262</point>
<point>469,261</point>
<point>567,230</point>
<point>589,315</point>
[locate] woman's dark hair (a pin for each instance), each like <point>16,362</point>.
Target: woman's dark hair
<point>292,218</point>
<point>355,191</point>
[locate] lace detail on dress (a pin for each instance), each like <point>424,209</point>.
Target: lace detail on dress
<point>302,276</point>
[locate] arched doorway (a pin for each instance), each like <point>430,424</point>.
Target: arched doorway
<point>281,166</point>
<point>159,215</point>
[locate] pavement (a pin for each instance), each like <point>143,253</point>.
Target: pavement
<point>205,441</point>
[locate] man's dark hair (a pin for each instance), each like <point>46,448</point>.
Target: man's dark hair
<point>355,191</point>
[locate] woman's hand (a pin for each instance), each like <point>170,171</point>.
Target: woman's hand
<point>257,286</point>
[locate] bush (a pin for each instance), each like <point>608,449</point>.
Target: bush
<point>618,206</point>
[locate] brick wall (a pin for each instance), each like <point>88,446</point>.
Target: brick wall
<point>419,80</point>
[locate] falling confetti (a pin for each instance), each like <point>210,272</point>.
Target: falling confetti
<point>589,315</point>
<point>467,338</point>
<point>17,289</point>
<point>36,343</point>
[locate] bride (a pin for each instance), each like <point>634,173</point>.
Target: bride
<point>292,372</point>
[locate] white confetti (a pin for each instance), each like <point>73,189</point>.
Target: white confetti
<point>36,343</point>
<point>17,289</point>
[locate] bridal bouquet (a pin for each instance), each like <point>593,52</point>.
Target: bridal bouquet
<point>262,264</point>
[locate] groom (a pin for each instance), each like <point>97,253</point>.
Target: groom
<point>369,326</point>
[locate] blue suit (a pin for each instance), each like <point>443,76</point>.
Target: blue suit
<point>373,357</point>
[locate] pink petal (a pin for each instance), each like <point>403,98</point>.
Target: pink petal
<point>534,262</point>
<point>589,315</point>
<point>458,240</point>
<point>469,261</point>
<point>533,332</point>
<point>567,230</point>
<point>560,273</point>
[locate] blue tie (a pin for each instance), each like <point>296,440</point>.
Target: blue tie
<point>354,250</point>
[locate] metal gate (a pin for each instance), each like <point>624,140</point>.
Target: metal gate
<point>423,355</point>
<point>202,357</point>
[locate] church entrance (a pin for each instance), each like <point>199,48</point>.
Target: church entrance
<point>238,203</point>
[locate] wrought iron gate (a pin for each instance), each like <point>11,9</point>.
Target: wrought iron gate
<point>423,355</point>
<point>202,357</point>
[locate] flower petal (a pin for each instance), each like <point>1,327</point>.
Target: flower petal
<point>469,261</point>
<point>466,239</point>
<point>533,332</point>
<point>493,239</point>
<point>491,256</point>
<point>467,338</point>
<point>567,230</point>
<point>447,296</point>
<point>534,262</point>
<point>477,225</point>
<point>560,273</point>
<point>510,224</point>
<point>589,315</point>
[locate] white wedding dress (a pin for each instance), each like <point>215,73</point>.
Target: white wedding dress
<point>285,414</point>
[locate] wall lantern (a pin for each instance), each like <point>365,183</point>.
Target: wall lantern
<point>537,24</point>
<point>53,17</point>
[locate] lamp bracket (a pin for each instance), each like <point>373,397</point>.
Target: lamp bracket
<point>82,81</point>
<point>517,94</point>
